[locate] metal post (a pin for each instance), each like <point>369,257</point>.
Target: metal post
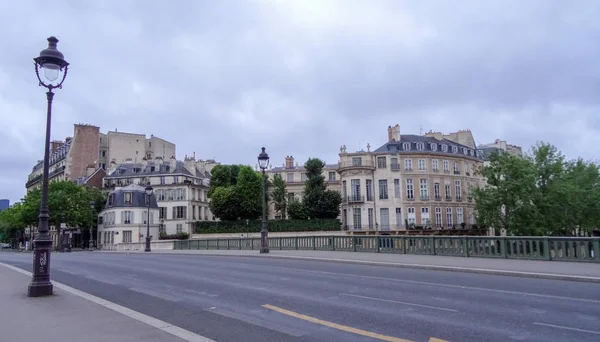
<point>40,283</point>
<point>264,233</point>
<point>148,227</point>
<point>91,243</point>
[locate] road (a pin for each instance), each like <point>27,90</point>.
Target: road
<point>264,299</point>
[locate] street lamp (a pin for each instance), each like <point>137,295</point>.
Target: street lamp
<point>92,207</point>
<point>149,194</point>
<point>53,64</point>
<point>263,162</point>
<point>62,233</point>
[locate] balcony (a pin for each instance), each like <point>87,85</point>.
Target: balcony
<point>458,198</point>
<point>424,198</point>
<point>355,199</point>
<point>448,198</point>
<point>363,164</point>
<point>438,198</point>
<point>395,167</point>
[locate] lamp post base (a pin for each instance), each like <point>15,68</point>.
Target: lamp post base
<point>264,242</point>
<point>40,283</point>
<point>147,249</point>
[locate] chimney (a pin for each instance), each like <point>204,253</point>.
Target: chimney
<point>113,166</point>
<point>190,165</point>
<point>144,163</point>
<point>173,164</point>
<point>90,170</point>
<point>394,133</point>
<point>289,162</point>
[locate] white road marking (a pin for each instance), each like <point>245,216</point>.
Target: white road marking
<point>183,334</point>
<point>567,328</point>
<point>398,302</point>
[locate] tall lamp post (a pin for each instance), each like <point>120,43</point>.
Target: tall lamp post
<point>92,207</point>
<point>52,62</point>
<point>149,197</point>
<point>263,162</point>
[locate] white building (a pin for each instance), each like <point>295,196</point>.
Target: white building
<point>180,187</point>
<point>125,217</point>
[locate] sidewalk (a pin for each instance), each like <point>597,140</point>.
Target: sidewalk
<point>66,317</point>
<point>558,270</point>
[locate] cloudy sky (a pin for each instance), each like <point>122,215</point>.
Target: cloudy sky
<point>223,78</point>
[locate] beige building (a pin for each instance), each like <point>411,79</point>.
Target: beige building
<point>87,149</point>
<point>410,181</point>
<point>294,176</point>
<point>500,145</point>
<point>180,188</point>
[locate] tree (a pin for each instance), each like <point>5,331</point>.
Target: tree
<point>297,210</point>
<point>319,202</point>
<point>11,222</point>
<point>279,195</point>
<point>235,192</point>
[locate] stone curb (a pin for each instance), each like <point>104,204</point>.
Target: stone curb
<point>521,274</point>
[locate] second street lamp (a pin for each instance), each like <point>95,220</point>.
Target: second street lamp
<point>148,197</point>
<point>52,62</point>
<point>263,162</point>
<point>92,207</point>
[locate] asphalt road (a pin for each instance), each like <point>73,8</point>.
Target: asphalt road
<point>255,299</point>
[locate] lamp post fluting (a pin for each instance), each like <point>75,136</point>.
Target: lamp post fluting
<point>148,198</point>
<point>52,63</point>
<point>92,207</point>
<point>263,162</point>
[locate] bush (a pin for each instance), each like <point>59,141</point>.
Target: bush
<point>253,226</point>
<point>178,236</point>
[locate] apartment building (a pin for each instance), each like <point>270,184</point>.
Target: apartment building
<point>294,176</point>
<point>180,188</point>
<point>411,181</point>
<point>500,146</point>
<point>88,148</point>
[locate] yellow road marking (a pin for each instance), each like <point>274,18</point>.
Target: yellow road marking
<point>336,326</point>
<point>433,339</point>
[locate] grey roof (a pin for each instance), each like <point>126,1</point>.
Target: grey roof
<point>138,199</point>
<point>487,151</point>
<point>412,139</point>
<point>300,168</point>
<point>153,168</point>
<point>58,155</point>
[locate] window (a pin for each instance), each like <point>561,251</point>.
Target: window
<point>438,217</point>
<point>406,146</point>
<point>396,188</point>
<point>303,177</point>
<point>422,165</point>
<point>291,196</point>
<point>434,165</point>
<point>356,161</point>
<point>433,147</point>
<point>171,194</point>
<point>444,148</point>
<point>331,176</point>
<point>370,217</point>
<point>162,213</point>
<point>459,215</point>
<point>369,190</point>
<point>344,190</point>
<point>355,188</point>
<point>407,164</point>
<point>471,218</point>
<point>425,216</point>
<point>193,212</point>
<point>162,229</point>
<point>410,191</point>
<point>448,192</point>
<point>423,189</point>
<point>290,177</point>
<point>457,189</point>
<point>411,218</point>
<point>179,228</point>
<point>180,212</point>
<point>356,219</point>
<point>162,180</point>
<point>128,197</point>
<point>127,236</point>
<point>446,166</point>
<point>394,164</point>
<point>464,150</point>
<point>398,218</point>
<point>467,169</point>
<point>145,217</point>
<point>175,179</point>
<point>420,146</point>
<point>456,168</point>
<point>160,194</point>
<point>381,162</point>
<point>384,216</point>
<point>449,217</point>
<point>111,199</point>
<point>436,191</point>
<point>126,217</point>
<point>383,189</point>
<point>454,149</point>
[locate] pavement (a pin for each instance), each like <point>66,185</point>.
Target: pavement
<point>237,298</point>
<point>555,270</point>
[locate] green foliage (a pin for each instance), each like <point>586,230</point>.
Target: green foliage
<point>11,221</point>
<point>234,195</point>
<point>253,226</point>
<point>178,236</point>
<point>541,194</point>
<point>318,201</point>
<point>279,195</point>
<point>297,210</point>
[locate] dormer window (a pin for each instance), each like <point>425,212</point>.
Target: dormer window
<point>479,153</point>
<point>406,146</point>
<point>433,147</point>
<point>444,148</point>
<point>420,146</point>
<point>152,168</point>
<point>128,198</point>
<point>454,149</point>
<point>464,150</point>
<point>111,200</point>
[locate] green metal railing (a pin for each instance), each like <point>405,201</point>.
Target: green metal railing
<point>531,248</point>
